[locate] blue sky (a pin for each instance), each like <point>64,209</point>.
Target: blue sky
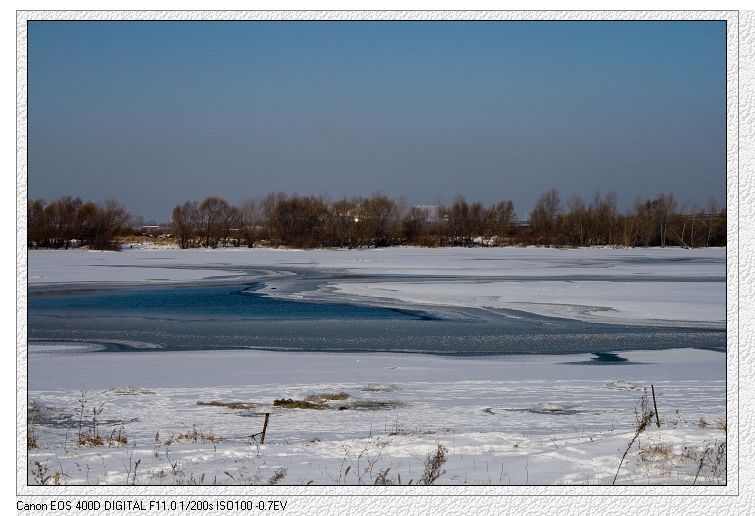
<point>155,113</point>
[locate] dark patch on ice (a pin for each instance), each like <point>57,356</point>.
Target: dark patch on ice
<point>622,385</point>
<point>606,358</point>
<point>379,387</point>
<point>250,414</point>
<point>609,357</point>
<point>375,405</point>
<point>548,409</point>
<point>44,415</point>
<point>129,391</point>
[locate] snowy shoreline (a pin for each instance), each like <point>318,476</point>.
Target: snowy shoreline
<point>518,420</point>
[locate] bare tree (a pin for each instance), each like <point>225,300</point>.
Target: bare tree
<point>414,225</point>
<point>299,221</point>
<point>109,220</point>
<point>712,211</point>
<point>577,222</point>
<point>459,221</point>
<point>36,220</point>
<point>186,223</point>
<point>543,216</point>
<point>502,217</point>
<point>380,216</point>
<point>217,218</point>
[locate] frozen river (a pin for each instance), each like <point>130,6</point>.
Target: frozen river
<point>463,302</point>
<point>236,316</point>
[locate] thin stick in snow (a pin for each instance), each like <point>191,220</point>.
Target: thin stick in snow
<point>264,428</point>
<point>655,407</point>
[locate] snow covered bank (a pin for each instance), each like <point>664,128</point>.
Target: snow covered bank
<point>187,416</point>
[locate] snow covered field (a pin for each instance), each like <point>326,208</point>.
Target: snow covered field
<point>560,419</point>
<point>515,420</point>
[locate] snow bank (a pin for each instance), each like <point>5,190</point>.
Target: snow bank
<point>512,420</point>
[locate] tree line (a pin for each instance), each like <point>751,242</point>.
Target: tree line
<point>378,221</point>
<point>70,221</point>
<point>297,221</point>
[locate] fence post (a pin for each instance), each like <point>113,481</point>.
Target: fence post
<point>657,421</point>
<point>264,428</point>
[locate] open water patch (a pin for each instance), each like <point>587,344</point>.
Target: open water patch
<point>206,301</point>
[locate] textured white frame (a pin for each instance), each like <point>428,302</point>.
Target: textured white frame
<point>734,497</point>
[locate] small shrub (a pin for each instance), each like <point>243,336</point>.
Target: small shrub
<point>433,465</point>
<point>382,478</point>
<point>117,437</point>
<point>31,435</point>
<point>87,439</point>
<point>279,474</point>
<point>42,477</point>
<point>643,420</point>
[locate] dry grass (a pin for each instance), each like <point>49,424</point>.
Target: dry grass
<point>43,477</point>
<point>643,417</point>
<point>87,439</point>
<point>194,435</point>
<point>235,405</point>
<point>31,435</point>
<point>382,478</point>
<point>117,437</point>
<point>657,451</point>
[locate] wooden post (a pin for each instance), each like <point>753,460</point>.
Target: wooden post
<point>264,428</point>
<point>657,421</point>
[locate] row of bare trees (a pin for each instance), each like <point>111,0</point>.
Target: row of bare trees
<point>70,221</point>
<point>650,222</point>
<point>309,221</point>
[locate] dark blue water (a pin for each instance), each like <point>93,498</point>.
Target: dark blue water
<point>191,302</point>
<point>233,317</point>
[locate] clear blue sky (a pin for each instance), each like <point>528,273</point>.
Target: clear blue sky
<point>155,113</point>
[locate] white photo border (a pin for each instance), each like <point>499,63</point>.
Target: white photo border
<point>388,499</point>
